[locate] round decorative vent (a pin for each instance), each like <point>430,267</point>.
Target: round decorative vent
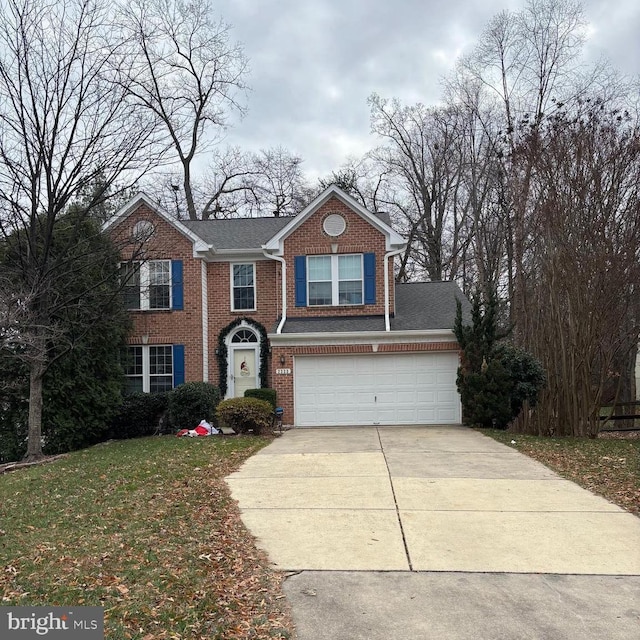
<point>334,225</point>
<point>143,230</point>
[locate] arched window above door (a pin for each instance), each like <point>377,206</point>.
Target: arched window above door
<point>243,336</point>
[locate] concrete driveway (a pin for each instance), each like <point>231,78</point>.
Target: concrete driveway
<point>427,527</point>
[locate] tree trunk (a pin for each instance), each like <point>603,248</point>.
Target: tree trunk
<point>188,191</point>
<point>34,445</point>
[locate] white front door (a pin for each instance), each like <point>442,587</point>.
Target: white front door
<point>244,372</point>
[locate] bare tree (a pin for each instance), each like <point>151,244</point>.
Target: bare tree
<point>422,164</point>
<point>242,184</point>
<point>66,122</point>
<point>187,72</point>
<point>278,187</point>
<point>528,66</point>
<point>584,271</point>
<point>354,178</point>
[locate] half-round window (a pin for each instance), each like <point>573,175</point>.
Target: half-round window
<point>244,335</point>
<point>334,225</point>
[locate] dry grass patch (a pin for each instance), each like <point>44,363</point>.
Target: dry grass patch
<point>147,529</point>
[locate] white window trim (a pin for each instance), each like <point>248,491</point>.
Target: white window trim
<point>231,287</point>
<point>335,282</point>
<point>146,365</point>
<point>145,284</point>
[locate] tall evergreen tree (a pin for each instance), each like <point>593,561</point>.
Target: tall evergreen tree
<point>495,379</point>
<point>83,384</point>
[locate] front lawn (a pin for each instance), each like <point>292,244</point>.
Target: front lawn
<point>610,468</point>
<point>146,529</point>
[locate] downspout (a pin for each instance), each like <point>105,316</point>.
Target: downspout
<point>282,261</point>
<point>389,254</point>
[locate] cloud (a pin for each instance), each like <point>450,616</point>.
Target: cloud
<point>313,64</point>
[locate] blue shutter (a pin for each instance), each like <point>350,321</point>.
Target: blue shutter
<point>178,364</point>
<point>300,265</point>
<point>369,260</point>
<point>177,289</point>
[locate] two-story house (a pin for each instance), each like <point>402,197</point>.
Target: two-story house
<point>307,305</point>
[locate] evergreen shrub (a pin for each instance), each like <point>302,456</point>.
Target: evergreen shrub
<point>246,414</point>
<point>262,394</point>
<point>192,402</point>
<point>139,415</point>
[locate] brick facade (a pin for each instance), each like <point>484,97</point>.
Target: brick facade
<point>359,237</point>
<point>168,327</point>
<point>185,326</point>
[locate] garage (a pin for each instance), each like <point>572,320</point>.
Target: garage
<point>376,389</point>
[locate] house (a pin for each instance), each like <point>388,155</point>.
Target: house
<point>307,305</point>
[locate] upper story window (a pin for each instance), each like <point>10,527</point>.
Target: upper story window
<point>152,285</point>
<point>335,280</point>
<point>243,288</point>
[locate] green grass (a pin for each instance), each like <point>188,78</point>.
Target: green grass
<point>146,529</point>
<point>609,467</point>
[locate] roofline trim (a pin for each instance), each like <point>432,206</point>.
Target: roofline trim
<point>362,337</point>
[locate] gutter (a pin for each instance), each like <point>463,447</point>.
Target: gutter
<point>282,261</point>
<point>389,254</point>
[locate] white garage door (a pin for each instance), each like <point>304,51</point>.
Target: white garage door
<point>411,388</point>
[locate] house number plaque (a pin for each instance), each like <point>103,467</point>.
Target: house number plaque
<point>283,372</point>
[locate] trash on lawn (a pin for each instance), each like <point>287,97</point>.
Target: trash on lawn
<point>203,429</point>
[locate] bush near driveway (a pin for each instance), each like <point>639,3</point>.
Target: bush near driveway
<point>246,414</point>
<point>146,529</point>
<point>263,394</point>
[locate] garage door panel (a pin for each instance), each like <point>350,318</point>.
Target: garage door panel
<point>416,388</point>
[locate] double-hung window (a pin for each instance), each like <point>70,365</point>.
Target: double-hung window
<point>149,368</point>
<point>148,285</point>
<point>319,278</point>
<point>243,288</point>
<point>335,280</point>
<point>130,275</point>
<point>159,284</point>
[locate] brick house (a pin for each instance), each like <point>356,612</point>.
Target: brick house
<point>307,305</point>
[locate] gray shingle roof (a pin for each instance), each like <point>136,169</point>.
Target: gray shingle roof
<point>334,325</point>
<point>428,305</point>
<point>384,216</point>
<point>237,233</point>
<point>244,233</point>
<point>420,306</point>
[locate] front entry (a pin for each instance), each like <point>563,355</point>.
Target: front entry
<point>243,362</point>
<point>244,371</point>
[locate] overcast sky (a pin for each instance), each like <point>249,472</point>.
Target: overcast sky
<point>313,63</point>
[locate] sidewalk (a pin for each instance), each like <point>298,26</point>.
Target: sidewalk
<point>451,517</point>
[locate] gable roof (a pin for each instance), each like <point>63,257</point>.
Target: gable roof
<point>236,233</point>
<point>143,199</point>
<point>393,239</point>
<point>244,234</point>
